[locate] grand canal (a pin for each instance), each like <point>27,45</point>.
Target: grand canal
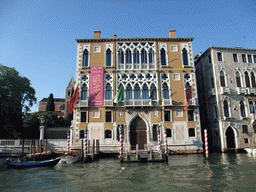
<point>222,172</point>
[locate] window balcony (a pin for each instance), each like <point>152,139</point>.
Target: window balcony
<point>251,91</point>
<point>139,102</point>
<point>224,90</point>
<point>211,92</point>
<point>166,102</point>
<point>192,101</point>
<point>137,66</point>
<point>81,103</point>
<point>241,90</point>
<point>108,102</point>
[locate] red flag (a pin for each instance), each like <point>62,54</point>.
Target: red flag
<point>74,98</point>
<point>188,96</point>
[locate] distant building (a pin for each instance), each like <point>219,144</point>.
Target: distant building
<point>154,75</point>
<point>227,96</point>
<point>59,106</point>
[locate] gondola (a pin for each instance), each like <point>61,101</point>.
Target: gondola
<point>27,164</point>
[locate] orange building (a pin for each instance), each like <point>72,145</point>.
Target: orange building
<point>154,75</point>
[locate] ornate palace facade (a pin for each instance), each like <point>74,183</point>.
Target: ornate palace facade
<point>154,75</point>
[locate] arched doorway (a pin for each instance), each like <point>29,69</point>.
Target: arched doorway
<point>138,134</point>
<point>230,138</point>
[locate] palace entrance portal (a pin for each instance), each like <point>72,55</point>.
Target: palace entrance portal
<point>138,134</point>
<point>230,138</point>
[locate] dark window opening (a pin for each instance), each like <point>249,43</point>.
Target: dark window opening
<point>85,58</point>
<point>108,134</point>
<point>108,58</point>
<point>185,56</point>
<point>167,115</point>
<point>163,57</point>
<point>219,56</point>
<point>154,132</point>
<point>168,132</point>
<point>243,58</point>
<point>246,140</point>
<point>235,58</point>
<point>83,116</point>
<point>191,132</point>
<point>190,115</point>
<point>245,128</point>
<point>81,134</point>
<point>108,116</point>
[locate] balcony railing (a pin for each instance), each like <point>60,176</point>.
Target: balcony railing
<point>108,102</point>
<point>136,66</point>
<point>252,116</point>
<point>192,101</point>
<point>224,90</point>
<point>167,102</point>
<point>82,103</point>
<point>139,102</point>
<point>251,91</point>
<point>241,90</point>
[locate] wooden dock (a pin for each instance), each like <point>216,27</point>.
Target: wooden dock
<point>143,156</point>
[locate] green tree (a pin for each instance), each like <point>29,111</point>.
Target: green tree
<point>16,98</point>
<point>51,119</point>
<point>31,124</point>
<point>50,103</point>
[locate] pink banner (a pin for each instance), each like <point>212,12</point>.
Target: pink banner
<point>96,86</point>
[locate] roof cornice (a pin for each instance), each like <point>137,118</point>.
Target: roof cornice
<point>136,39</point>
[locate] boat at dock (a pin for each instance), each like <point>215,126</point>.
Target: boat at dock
<point>19,164</point>
<point>250,150</point>
<point>71,156</point>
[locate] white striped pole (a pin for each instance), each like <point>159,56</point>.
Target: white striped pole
<point>121,141</point>
<point>68,141</point>
<point>158,137</point>
<point>206,144</point>
<point>85,142</point>
<point>165,141</point>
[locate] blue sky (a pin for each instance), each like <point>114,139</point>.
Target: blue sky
<point>37,37</point>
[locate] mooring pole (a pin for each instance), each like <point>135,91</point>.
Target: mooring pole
<point>158,137</point>
<point>206,144</point>
<point>22,150</point>
<point>121,142</point>
<point>85,142</point>
<point>68,141</point>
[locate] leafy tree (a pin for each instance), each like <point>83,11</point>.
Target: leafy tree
<point>51,119</point>
<point>50,103</point>
<point>31,124</point>
<point>16,98</point>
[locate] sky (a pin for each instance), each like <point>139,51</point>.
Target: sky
<point>37,37</point>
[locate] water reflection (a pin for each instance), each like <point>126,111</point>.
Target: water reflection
<point>221,172</point>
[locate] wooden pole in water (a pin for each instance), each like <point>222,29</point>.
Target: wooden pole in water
<point>46,147</point>
<point>31,147</point>
<point>121,142</point>
<point>206,144</point>
<point>93,149</point>
<point>40,147</point>
<point>22,148</point>
<point>158,137</point>
<point>34,143</point>
<point>85,142</point>
<point>82,148</point>
<point>165,141</point>
<point>68,140</point>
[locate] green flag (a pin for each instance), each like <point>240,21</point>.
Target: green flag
<point>120,95</point>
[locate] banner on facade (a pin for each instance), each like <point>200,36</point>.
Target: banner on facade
<point>96,86</point>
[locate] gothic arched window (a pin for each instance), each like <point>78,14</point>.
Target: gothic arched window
<point>238,80</point>
<point>242,109</point>
<point>226,110</point>
<point>85,58</point>
<point>84,92</point>
<point>128,56</point>
<point>136,56</point>
<point>253,79</point>
<point>163,57</point>
<point>129,92</point>
<point>222,79</point>
<point>137,92</point>
<point>120,56</point>
<point>151,56</point>
<point>108,58</point>
<point>251,107</point>
<point>143,56</point>
<point>153,92</point>
<point>165,91</point>
<point>247,80</point>
<point>108,93</point>
<point>145,92</point>
<point>185,56</point>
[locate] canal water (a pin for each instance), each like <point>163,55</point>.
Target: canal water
<point>222,172</point>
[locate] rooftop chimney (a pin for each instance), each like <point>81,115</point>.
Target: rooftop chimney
<point>115,35</point>
<point>97,34</point>
<point>172,33</point>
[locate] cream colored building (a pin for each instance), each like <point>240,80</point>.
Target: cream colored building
<point>155,74</point>
<point>227,94</point>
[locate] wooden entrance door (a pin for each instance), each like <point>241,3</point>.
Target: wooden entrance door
<point>138,134</point>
